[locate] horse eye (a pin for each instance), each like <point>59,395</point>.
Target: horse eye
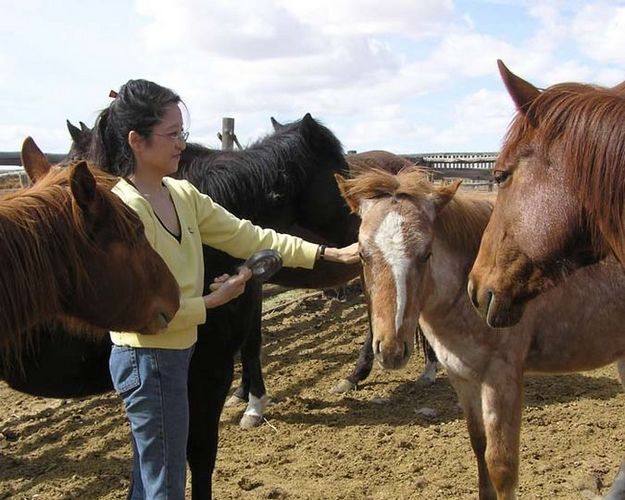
<point>500,176</point>
<point>426,257</point>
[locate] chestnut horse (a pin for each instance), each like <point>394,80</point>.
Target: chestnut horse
<point>71,248</point>
<point>561,202</point>
<point>418,242</point>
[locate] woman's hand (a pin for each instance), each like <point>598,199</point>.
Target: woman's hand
<point>225,288</point>
<point>345,255</point>
<point>218,281</point>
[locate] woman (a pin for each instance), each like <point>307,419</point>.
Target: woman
<point>140,137</point>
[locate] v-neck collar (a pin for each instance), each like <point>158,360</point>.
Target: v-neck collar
<point>178,238</point>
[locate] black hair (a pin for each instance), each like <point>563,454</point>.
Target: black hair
<point>138,106</point>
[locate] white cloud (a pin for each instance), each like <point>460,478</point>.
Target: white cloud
<point>245,29</point>
<point>402,75</point>
<point>599,30</point>
<point>569,71</point>
<point>47,138</point>
<point>370,18</point>
<point>229,64</point>
<point>470,54</point>
<point>478,118</point>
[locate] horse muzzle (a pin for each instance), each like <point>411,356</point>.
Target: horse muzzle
<point>495,308</point>
<point>392,355</point>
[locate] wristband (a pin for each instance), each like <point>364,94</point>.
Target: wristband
<point>321,252</point>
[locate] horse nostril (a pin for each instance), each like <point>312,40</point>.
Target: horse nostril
<point>472,294</point>
<point>490,296</point>
<point>406,350</point>
<point>162,321</point>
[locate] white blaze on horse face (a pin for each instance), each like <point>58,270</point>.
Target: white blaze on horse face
<point>390,240</point>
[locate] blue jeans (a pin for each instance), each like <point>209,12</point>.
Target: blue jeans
<point>153,386</point>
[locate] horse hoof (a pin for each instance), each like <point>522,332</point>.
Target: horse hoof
<point>234,400</point>
<point>343,386</point>
<point>250,421</point>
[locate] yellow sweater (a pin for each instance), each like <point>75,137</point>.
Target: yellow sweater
<point>201,221</point>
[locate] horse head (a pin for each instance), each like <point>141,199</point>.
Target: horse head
<point>396,234</point>
<point>109,276</point>
<point>539,230</point>
<point>319,207</point>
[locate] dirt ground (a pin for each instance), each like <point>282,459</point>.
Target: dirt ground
<point>370,444</point>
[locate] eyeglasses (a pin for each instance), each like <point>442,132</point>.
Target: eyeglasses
<point>175,136</point>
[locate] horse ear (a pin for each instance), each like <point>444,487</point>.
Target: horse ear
<point>83,186</point>
<point>352,202</point>
<point>521,91</point>
<point>34,161</point>
<point>308,121</point>
<point>74,131</point>
<point>276,124</point>
<point>444,194</point>
<point>84,127</point>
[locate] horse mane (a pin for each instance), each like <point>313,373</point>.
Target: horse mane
<point>586,122</point>
<point>460,223</point>
<point>269,171</point>
<point>463,221</point>
<point>44,238</point>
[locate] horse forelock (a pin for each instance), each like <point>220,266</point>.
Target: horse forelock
<point>461,222</point>
<point>585,122</point>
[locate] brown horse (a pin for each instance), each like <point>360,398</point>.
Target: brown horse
<point>71,248</point>
<point>561,202</point>
<point>417,243</point>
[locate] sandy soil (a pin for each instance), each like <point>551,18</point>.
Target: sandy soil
<point>371,444</point>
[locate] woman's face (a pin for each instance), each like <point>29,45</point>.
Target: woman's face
<point>160,153</point>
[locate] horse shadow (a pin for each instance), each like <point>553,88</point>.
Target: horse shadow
<point>332,352</point>
<point>401,406</point>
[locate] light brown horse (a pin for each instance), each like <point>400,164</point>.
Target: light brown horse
<point>418,242</point>
<point>70,247</point>
<point>561,202</point>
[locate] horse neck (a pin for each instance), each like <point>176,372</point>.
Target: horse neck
<point>457,234</point>
<point>35,248</point>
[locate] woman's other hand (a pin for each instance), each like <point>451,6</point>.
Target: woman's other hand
<point>225,288</point>
<point>345,255</point>
<point>218,281</point>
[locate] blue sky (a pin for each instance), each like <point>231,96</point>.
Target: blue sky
<point>403,75</point>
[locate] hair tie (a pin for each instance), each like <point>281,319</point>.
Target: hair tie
<point>113,94</point>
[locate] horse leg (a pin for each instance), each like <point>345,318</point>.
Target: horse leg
<point>501,411</point>
<point>428,376</point>
<point>252,377</point>
<point>470,398</point>
<point>241,393</point>
<point>617,490</point>
<point>210,376</point>
<point>362,369</point>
